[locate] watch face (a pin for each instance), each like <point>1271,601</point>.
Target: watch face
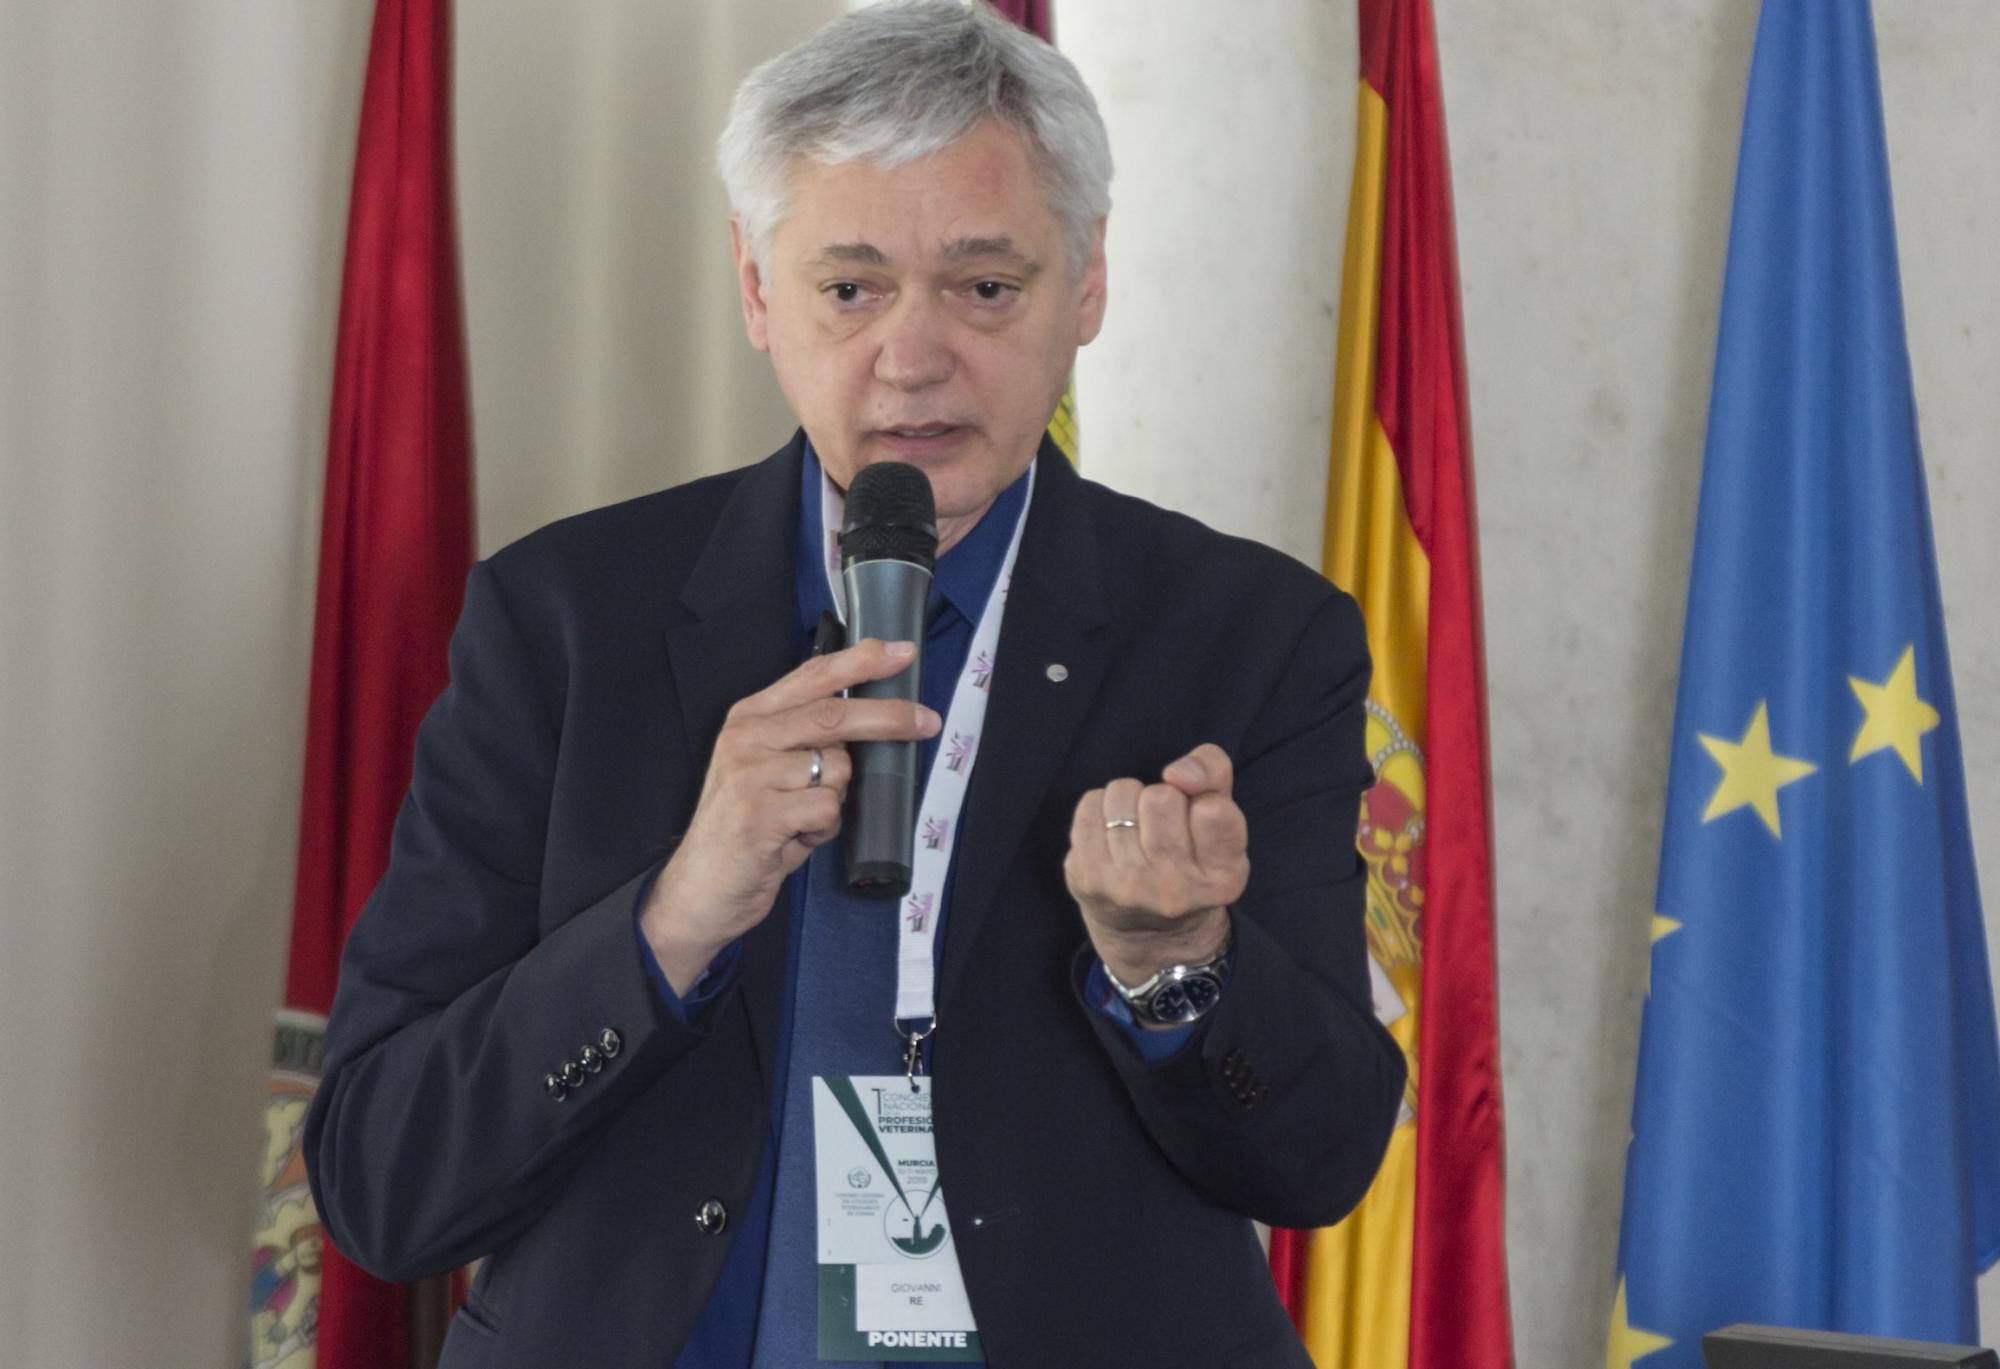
<point>1183,1000</point>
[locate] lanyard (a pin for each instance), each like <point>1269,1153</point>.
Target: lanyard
<point>944,791</point>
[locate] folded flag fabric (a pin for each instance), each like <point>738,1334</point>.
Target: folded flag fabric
<point>1416,1276</point>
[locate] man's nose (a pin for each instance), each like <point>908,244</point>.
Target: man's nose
<point>915,348</point>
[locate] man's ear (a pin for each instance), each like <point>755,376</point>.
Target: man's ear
<point>750,285</point>
<point>1091,303</point>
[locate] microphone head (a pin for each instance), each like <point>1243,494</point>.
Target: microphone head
<point>891,516</point>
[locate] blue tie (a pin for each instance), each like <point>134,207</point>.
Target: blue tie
<point>841,1024</point>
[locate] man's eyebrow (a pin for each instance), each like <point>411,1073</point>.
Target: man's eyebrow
<point>957,250</point>
<point>960,249</point>
<point>859,253</point>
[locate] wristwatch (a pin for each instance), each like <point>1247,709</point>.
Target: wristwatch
<point>1179,994</point>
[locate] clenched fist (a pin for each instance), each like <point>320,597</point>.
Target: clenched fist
<point>1154,867</point>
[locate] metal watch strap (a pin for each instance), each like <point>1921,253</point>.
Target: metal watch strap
<point>1145,998</point>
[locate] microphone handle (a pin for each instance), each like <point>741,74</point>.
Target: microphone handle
<point>885,599</point>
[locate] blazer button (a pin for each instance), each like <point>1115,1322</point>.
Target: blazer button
<point>610,1043</point>
<point>572,1073</point>
<point>711,1217</point>
<point>555,1087</point>
<point>590,1058</point>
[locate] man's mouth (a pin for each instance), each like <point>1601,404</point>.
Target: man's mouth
<point>921,441</point>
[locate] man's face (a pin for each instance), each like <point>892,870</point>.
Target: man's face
<point>924,314</point>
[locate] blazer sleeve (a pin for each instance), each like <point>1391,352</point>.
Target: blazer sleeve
<point>1284,1110</point>
<point>432,1136</point>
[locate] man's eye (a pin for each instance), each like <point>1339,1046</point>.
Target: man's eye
<point>846,292</point>
<point>992,291</point>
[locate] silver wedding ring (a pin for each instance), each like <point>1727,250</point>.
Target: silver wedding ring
<point>1120,822</point>
<point>819,769</point>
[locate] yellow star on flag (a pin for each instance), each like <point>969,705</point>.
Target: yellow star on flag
<point>1896,716</point>
<point>1752,774</point>
<point>1628,1342</point>
<point>1663,927</point>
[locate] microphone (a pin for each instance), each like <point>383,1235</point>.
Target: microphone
<point>887,549</point>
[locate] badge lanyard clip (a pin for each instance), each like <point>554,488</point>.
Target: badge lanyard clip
<point>913,1050</point>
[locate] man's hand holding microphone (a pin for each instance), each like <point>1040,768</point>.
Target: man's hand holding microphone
<point>773,792</point>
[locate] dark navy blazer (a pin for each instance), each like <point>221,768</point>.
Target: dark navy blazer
<point>1100,1203</point>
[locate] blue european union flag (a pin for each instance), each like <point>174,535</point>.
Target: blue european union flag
<point>1816,1130</point>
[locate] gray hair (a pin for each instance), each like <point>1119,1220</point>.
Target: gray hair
<point>895,82</point>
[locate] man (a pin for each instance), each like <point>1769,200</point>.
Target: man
<point>613,1019</point>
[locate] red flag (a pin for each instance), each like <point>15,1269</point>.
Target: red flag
<point>395,545</point>
<point>1032,15</point>
<point>1416,1277</point>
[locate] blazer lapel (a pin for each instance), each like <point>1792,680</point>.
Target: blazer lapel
<point>739,634</point>
<point>1056,617</point>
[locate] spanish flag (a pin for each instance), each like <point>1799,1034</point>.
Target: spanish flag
<point>1416,1275</point>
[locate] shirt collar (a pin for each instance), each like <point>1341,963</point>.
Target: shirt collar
<point>963,576</point>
